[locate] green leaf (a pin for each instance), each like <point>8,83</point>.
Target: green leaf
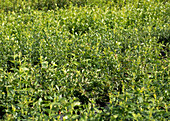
<point>1,69</point>
<point>44,64</point>
<point>24,69</point>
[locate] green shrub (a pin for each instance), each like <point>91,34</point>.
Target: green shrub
<point>95,62</point>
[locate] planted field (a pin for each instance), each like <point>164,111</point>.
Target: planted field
<point>104,61</point>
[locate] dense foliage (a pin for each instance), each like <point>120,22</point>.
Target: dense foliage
<point>105,61</point>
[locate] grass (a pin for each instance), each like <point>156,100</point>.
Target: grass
<point>97,61</point>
